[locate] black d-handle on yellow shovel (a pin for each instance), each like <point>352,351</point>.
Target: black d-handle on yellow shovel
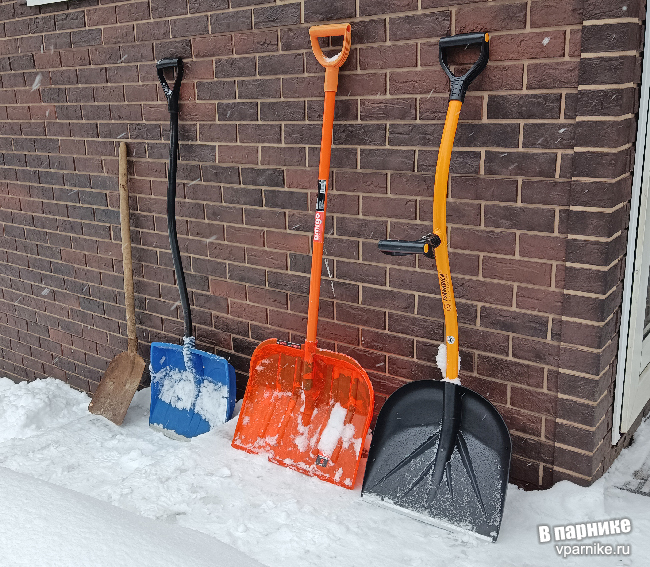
<point>437,240</point>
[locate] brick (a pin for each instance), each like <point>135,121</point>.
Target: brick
<point>556,75</point>
<point>132,12</point>
<point>283,64</point>
<point>520,163</point>
<point>605,134</point>
<point>238,20</point>
<point>163,9</point>
<point>435,24</point>
<point>388,57</point>
<point>483,189</point>
<point>388,109</point>
<point>518,271</point>
<point>373,7</point>
<point>520,218</point>
<point>395,160</point>
<point>524,106</point>
<point>609,70</point>
<point>262,177</point>
<point>385,342</point>
<point>255,42</point>
<point>552,135</point>
<point>317,11</point>
<point>212,46</point>
<point>418,82</point>
<point>606,102</point>
<point>529,45</point>
<point>611,37</point>
<point>601,164</point>
<point>555,13</point>
<point>491,18</point>
<point>603,9</point>
<point>274,16</point>
<point>198,6</point>
<point>189,26</point>
<point>282,111</point>
<point>237,111</point>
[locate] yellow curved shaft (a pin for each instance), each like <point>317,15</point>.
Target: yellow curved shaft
<point>440,228</point>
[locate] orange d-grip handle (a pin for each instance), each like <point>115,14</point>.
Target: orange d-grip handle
<point>331,64</point>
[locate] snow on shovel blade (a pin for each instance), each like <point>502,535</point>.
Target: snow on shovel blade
<point>458,483</point>
<point>191,392</point>
<point>316,427</point>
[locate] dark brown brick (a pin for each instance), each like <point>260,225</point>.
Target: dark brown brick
<point>609,70</point>
<point>238,20</point>
<point>520,163</point>
<point>611,37</point>
<point>435,24</point>
<point>524,106</point>
<point>544,13</point>
<point>273,16</point>
<point>604,9</point>
<point>317,11</point>
<point>491,17</point>
<point>549,135</point>
<point>559,74</point>
<point>529,45</point>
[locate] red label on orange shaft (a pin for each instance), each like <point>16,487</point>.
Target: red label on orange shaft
<point>319,226</point>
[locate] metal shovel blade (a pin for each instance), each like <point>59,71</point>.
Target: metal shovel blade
<point>118,386</point>
<point>315,426</point>
<point>191,390</point>
<point>440,453</point>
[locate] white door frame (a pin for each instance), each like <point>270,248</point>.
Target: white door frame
<point>629,345</point>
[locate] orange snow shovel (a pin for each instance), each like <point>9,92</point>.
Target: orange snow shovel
<point>123,375</point>
<point>307,408</point>
<point>441,452</point>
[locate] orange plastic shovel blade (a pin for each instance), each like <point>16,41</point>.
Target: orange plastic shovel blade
<point>318,426</point>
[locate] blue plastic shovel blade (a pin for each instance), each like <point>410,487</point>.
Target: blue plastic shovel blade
<point>189,401</point>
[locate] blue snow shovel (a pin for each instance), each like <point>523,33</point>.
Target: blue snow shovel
<point>191,390</point>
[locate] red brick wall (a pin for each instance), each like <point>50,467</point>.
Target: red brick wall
<point>537,208</point>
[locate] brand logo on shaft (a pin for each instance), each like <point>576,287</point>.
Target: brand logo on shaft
<point>444,289</point>
<point>319,226</point>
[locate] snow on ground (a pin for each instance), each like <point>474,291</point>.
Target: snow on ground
<point>272,514</point>
<point>50,526</point>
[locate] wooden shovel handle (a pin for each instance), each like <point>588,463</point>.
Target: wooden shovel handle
<point>127,260</point>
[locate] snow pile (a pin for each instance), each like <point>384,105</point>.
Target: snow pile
<point>28,408</point>
<point>51,526</point>
<point>274,514</point>
<point>212,403</point>
<point>441,362</point>
<point>177,387</point>
<point>335,430</point>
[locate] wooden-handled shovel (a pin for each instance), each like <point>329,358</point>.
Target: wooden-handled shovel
<point>123,375</point>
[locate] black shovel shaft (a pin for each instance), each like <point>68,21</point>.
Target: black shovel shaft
<point>172,104</point>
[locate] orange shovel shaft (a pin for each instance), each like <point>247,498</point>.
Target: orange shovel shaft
<point>440,229</point>
<point>319,221</point>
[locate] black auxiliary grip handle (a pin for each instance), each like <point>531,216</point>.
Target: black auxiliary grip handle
<point>459,85</point>
<point>426,245</point>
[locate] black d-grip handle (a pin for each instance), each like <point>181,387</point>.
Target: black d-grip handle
<point>426,245</point>
<point>171,94</point>
<point>459,84</point>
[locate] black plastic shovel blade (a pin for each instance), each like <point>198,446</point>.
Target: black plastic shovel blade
<point>440,453</point>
